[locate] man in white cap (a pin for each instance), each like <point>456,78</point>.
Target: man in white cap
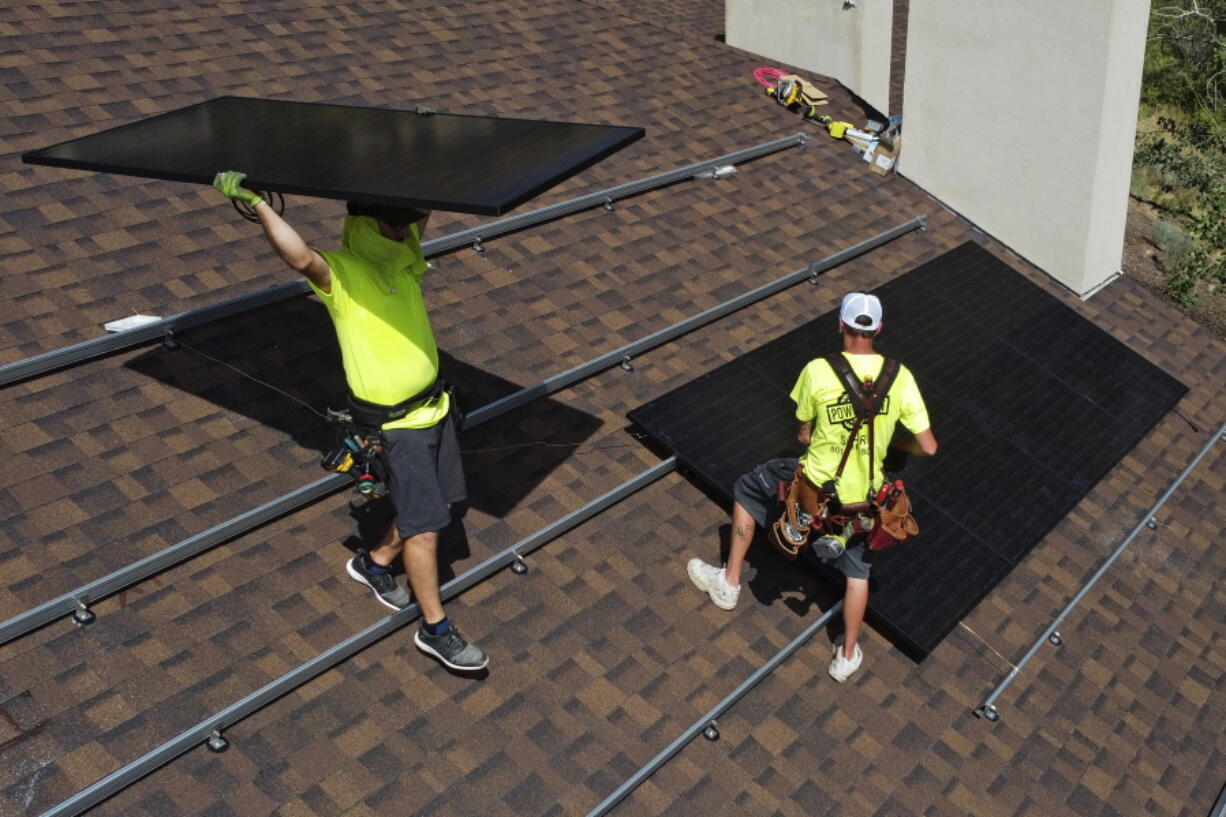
<point>832,466</point>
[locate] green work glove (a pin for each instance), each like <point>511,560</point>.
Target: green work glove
<point>229,184</point>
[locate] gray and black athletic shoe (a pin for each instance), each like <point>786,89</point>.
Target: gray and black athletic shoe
<point>451,649</point>
<point>387,589</point>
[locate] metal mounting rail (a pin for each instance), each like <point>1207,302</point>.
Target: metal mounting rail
<point>149,333</point>
<point>108,344</point>
<point>1219,808</point>
<point>706,724</point>
<point>624,354</point>
<point>605,198</point>
<point>211,727</point>
<point>988,708</point>
<point>77,601</point>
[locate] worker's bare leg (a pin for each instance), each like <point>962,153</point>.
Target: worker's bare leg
<point>855,602</point>
<point>421,563</point>
<point>390,546</point>
<point>743,526</point>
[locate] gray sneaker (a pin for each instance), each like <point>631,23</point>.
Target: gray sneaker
<point>387,589</point>
<point>451,649</point>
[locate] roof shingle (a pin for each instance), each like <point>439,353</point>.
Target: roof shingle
<point>602,654</point>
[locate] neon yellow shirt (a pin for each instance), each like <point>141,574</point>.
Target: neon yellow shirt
<point>822,400</point>
<point>376,306</point>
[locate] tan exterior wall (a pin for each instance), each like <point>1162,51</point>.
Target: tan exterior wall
<point>1021,116</point>
<point>846,42</point>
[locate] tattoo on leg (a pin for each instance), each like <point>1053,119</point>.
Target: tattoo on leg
<point>742,531</point>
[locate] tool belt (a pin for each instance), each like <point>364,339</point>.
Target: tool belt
<point>885,517</point>
<point>894,524</point>
<point>374,415</point>
<point>359,453</point>
<point>807,509</point>
<point>360,445</point>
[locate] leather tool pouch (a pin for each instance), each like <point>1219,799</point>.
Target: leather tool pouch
<point>803,510</point>
<point>894,524</point>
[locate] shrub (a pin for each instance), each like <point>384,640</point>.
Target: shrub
<point>1174,243</point>
<point>1182,276</point>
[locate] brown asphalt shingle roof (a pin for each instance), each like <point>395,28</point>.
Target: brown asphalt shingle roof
<point>602,653</point>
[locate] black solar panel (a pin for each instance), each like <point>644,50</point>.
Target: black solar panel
<point>1031,404</point>
<point>466,164</point>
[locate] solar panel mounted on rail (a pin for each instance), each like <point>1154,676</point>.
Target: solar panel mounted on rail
<point>1031,403</point>
<point>468,164</point>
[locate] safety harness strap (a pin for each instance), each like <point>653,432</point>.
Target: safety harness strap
<point>866,399</point>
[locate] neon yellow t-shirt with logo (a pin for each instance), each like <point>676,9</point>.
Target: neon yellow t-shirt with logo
<point>375,303</point>
<point>822,400</point>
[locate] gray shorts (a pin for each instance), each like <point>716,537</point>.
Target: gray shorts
<point>425,476</point>
<point>758,493</point>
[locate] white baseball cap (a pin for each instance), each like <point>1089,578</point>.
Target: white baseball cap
<point>861,311</point>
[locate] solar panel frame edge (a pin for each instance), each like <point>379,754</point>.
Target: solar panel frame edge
<point>983,254</point>
<point>33,157</point>
<point>40,156</point>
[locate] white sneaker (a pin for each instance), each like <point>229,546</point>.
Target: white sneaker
<point>710,579</point>
<point>842,668</point>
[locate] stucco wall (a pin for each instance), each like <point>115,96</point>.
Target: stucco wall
<point>1021,116</point>
<point>849,43</point>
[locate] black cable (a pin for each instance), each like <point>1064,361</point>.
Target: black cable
<point>1186,420</point>
<point>275,200</point>
<point>325,418</point>
<point>300,401</point>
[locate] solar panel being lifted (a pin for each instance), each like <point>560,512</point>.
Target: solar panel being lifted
<point>468,164</point>
<point>1032,405</point>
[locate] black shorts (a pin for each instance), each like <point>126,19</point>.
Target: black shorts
<point>425,476</point>
<point>758,493</point>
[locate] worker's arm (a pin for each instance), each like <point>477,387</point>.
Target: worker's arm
<point>284,238</point>
<point>292,249</point>
<point>923,444</point>
<point>804,432</point>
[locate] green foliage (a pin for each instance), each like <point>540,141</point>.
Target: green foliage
<point>1183,261</point>
<point>1181,280</point>
<point>1180,165</point>
<point>1176,246</point>
<point>1184,63</point>
<point>1160,176</point>
<point>1208,222</point>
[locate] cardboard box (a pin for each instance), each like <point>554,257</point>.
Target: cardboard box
<point>883,158</point>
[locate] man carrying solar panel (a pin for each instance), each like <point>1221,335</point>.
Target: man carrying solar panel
<point>838,500</point>
<point>371,288</point>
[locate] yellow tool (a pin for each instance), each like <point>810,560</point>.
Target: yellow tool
<point>836,129</point>
<point>794,90</point>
